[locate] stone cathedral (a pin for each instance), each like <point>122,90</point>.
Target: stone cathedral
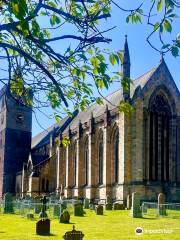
<point>110,153</point>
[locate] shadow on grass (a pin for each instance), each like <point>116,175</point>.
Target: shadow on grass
<point>70,223</point>
<point>47,235</point>
<point>149,218</point>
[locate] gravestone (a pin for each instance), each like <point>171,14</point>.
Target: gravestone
<point>63,205</point>
<point>161,206</point>
<point>129,201</point>
<point>30,215</point>
<point>43,227</point>
<point>99,210</point>
<point>135,209</point>
<point>8,203</point>
<point>86,203</point>
<point>78,209</point>
<point>37,205</point>
<point>118,206</point>
<point>56,210</point>
<point>91,206</point>
<point>43,213</point>
<point>73,235</point>
<point>109,203</point>
<point>65,217</point>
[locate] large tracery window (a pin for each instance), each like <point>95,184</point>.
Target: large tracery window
<point>160,116</point>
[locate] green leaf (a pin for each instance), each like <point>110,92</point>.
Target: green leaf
<point>175,51</point>
<point>160,5</point>
<point>156,26</point>
<point>167,26</point>
<point>113,58</point>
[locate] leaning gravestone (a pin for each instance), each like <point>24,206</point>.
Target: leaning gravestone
<point>78,209</point>
<point>8,203</point>
<point>135,209</point>
<point>99,210</point>
<point>65,217</point>
<point>73,235</point>
<point>129,201</point>
<point>161,206</point>
<point>86,203</point>
<point>43,227</point>
<point>109,203</point>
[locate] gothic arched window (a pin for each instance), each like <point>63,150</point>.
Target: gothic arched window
<point>100,158</point>
<point>86,161</point>
<point>116,157</point>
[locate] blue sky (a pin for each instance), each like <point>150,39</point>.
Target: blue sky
<point>143,57</point>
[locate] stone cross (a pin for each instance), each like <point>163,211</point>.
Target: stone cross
<point>161,206</point>
<point>43,213</point>
<point>135,209</point>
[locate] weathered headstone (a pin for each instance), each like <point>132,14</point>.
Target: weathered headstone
<point>99,210</point>
<point>135,209</point>
<point>43,227</point>
<point>109,203</point>
<point>8,203</point>
<point>65,217</point>
<point>73,235</point>
<point>161,206</point>
<point>129,201</point>
<point>78,209</point>
<point>86,203</point>
<point>118,206</point>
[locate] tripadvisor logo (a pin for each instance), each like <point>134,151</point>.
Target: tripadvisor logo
<point>138,231</point>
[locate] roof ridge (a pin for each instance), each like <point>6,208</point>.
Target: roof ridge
<point>153,69</point>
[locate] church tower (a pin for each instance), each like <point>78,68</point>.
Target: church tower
<point>126,67</point>
<point>15,139</point>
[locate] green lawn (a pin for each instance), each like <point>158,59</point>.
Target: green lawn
<point>114,225</point>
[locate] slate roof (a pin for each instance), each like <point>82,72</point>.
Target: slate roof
<point>112,101</point>
<point>43,137</point>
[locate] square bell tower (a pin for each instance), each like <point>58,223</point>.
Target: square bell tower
<point>15,139</point>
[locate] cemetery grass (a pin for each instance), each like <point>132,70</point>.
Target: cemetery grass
<point>113,225</point>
